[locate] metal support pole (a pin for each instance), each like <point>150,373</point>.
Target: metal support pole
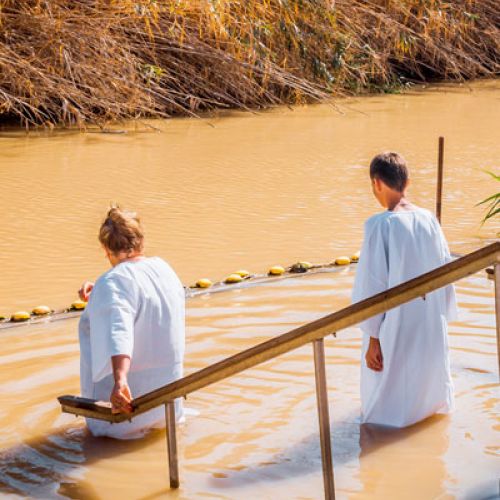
<point>497,309</point>
<point>439,193</point>
<point>173,468</point>
<point>324,418</point>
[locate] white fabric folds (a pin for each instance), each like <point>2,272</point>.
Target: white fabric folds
<point>415,382</point>
<point>138,309</point>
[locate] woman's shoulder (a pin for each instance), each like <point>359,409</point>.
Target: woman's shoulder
<point>129,273</point>
<point>129,268</point>
<point>148,267</point>
<point>116,278</point>
<point>156,261</point>
<point>158,264</point>
<point>110,287</point>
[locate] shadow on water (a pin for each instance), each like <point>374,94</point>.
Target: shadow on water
<point>350,441</point>
<point>52,466</point>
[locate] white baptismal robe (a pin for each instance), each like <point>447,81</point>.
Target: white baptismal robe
<point>415,381</point>
<point>137,309</point>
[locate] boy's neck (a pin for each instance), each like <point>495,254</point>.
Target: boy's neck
<point>390,198</point>
<point>396,202</point>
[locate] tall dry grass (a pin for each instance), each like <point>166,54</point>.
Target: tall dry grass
<point>89,61</point>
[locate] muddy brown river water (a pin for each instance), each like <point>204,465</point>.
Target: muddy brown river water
<point>246,191</point>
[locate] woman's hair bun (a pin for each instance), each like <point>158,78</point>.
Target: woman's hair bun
<point>122,231</point>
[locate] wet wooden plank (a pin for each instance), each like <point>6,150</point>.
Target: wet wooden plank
<point>88,408</point>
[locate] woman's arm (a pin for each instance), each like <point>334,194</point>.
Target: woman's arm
<point>120,395</point>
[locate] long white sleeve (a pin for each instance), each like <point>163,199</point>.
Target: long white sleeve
<point>372,271</point>
<point>111,323</point>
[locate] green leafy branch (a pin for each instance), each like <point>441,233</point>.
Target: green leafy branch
<point>493,202</point>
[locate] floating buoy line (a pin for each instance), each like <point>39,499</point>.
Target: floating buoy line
<point>238,279</point>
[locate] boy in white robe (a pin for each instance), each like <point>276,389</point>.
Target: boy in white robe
<point>405,368</point>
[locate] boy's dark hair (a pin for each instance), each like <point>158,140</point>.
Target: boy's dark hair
<point>391,169</point>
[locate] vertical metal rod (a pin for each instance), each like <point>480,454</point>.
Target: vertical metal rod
<point>439,193</point>
<point>173,467</point>
<point>497,309</point>
<point>324,418</point>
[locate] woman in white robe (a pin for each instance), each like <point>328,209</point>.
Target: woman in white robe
<point>415,381</point>
<point>135,313</point>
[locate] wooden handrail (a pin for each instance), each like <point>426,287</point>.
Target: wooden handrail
<point>344,318</point>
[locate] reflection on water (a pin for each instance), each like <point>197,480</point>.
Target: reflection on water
<point>251,192</point>
<point>391,460</point>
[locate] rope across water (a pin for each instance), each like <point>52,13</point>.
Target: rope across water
<point>238,279</point>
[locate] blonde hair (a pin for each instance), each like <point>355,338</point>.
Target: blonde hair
<point>121,231</point>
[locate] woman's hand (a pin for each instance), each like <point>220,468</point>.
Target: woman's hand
<point>85,290</point>
<point>121,398</point>
<point>374,358</point>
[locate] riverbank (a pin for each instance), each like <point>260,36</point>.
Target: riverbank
<point>76,63</point>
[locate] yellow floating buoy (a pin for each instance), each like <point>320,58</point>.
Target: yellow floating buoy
<point>78,305</point>
<point>233,278</point>
<point>342,261</point>
<point>41,310</point>
<point>20,316</point>
<point>355,257</point>
<point>276,270</point>
<point>203,283</point>
<point>243,273</point>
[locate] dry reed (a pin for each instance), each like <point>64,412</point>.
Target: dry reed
<point>92,61</point>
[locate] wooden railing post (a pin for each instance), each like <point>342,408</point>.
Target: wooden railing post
<point>439,189</point>
<point>497,309</point>
<point>173,467</point>
<point>324,418</point>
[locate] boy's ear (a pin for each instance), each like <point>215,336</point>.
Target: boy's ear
<point>377,184</point>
